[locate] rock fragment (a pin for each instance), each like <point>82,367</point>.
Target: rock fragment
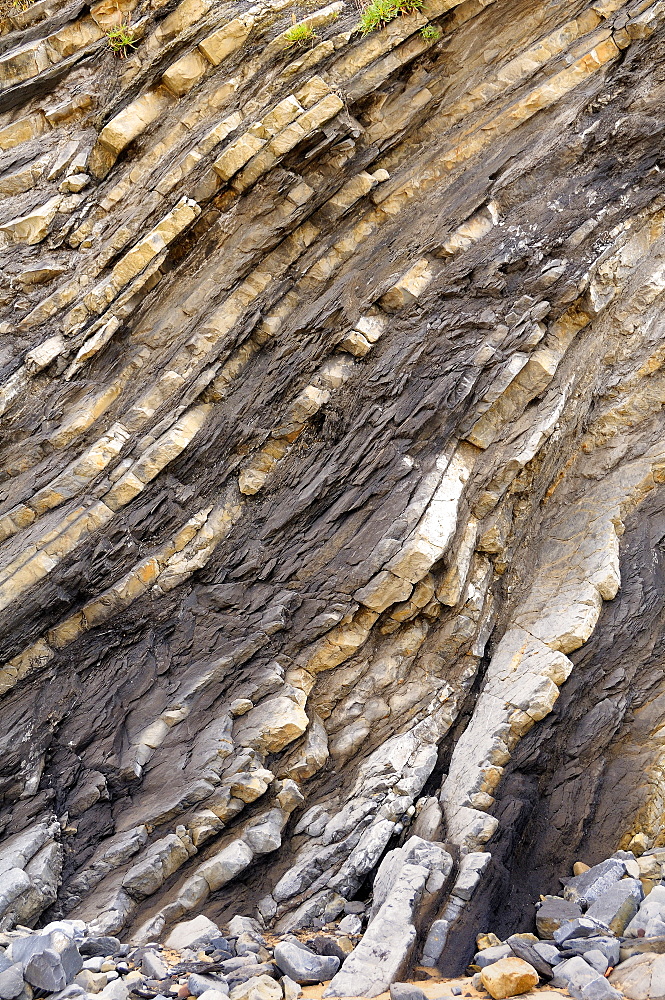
<point>303,965</point>
<point>508,978</point>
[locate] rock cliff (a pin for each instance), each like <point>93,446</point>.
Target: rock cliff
<point>332,457</point>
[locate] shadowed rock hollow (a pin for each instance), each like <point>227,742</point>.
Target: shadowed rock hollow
<point>332,457</point>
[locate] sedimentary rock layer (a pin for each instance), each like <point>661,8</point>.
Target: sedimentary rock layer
<point>332,388</point>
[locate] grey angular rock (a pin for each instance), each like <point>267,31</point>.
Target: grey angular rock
<point>239,925</point>
<point>596,960</point>
<point>198,984</point>
<point>633,977</point>
<point>651,908</point>
<point>115,990</point>
<point>246,944</point>
<point>252,971</point>
<point>548,952</point>
<point>493,954</point>
<point>11,982</point>
<point>103,946</point>
<point>596,989</point>
<point>573,971</point>
<point>94,964</point>
<point>196,933</point>
<point>257,988</point>
<point>304,966</point>
<point>617,906</point>
<point>655,927</point>
<point>406,991</point>
<point>552,913</point>
<point>213,994</point>
<point>435,942</point>
<point>579,928</point>
<point>585,889</point>
<point>153,966</point>
<point>50,961</point>
<point>639,946</point>
<point>350,924</point>
<point>230,965</point>
<point>524,948</point>
<point>290,989</point>
<point>607,946</point>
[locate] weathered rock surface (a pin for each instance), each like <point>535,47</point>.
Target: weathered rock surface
<point>508,978</point>
<point>331,472</point>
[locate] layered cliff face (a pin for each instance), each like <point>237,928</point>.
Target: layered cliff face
<point>332,454</point>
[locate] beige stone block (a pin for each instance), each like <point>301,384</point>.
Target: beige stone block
<point>415,559</point>
<point>272,725</point>
<point>355,344</point>
<point>321,112</point>
<point>187,13</point>
<point>33,227</point>
<point>383,590</point>
<point>20,517</point>
<point>508,978</point>
<point>250,481</point>
<point>44,354</point>
<point>185,73</point>
<point>287,139</point>
<point>300,194</point>
<point>237,155</point>
<point>134,119</point>
<point>226,40</point>
<point>21,131</point>
<point>37,655</point>
<point>178,219</point>
<point>349,193</point>
<point>171,443</point>
<point>312,92</point>
<point>72,38</point>
<point>372,326</point>
<point>257,166</point>
<point>136,259</point>
<point>282,115</point>
<point>28,61</point>
<point>120,494</point>
<point>107,13</point>
<point>64,633</point>
<point>409,287</point>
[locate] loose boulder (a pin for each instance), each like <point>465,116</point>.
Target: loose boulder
<point>50,961</point>
<point>617,906</point>
<point>585,889</point>
<point>303,965</point>
<point>641,977</point>
<point>193,934</point>
<point>553,912</point>
<point>508,978</point>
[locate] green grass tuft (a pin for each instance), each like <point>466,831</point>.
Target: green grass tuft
<point>300,34</point>
<point>430,31</point>
<point>378,13</point>
<point>122,39</point>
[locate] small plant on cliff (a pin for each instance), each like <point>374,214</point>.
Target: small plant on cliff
<point>378,13</point>
<point>300,34</point>
<point>430,32</point>
<point>9,7</point>
<point>122,39</point>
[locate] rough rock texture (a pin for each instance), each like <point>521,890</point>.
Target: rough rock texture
<point>332,456</point>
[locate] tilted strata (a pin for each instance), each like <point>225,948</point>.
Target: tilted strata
<point>331,394</point>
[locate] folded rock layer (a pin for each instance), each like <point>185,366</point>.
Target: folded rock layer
<point>332,458</point>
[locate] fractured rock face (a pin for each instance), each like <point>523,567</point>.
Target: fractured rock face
<point>331,474</point>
